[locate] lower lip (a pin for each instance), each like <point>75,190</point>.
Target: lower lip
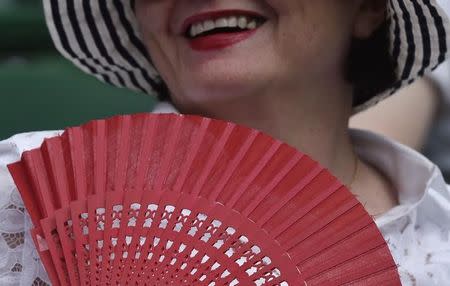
<point>219,41</point>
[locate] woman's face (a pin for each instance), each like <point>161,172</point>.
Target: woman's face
<point>212,50</point>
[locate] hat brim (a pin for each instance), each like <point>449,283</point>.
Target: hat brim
<point>102,38</point>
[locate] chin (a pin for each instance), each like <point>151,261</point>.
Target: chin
<point>224,80</point>
<point>220,88</point>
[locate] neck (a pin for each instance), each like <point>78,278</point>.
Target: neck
<point>316,125</point>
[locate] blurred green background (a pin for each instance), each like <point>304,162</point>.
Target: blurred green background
<point>40,90</point>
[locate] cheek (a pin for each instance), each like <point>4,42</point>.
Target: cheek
<point>314,38</point>
<point>153,17</point>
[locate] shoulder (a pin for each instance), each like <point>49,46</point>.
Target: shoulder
<point>419,238</point>
<point>10,151</point>
<point>12,147</point>
<point>418,229</point>
<point>24,141</point>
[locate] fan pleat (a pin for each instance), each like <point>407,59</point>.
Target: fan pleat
<point>243,192</point>
<point>343,250</point>
<point>77,156</point>
<point>209,162</point>
<point>299,177</point>
<point>354,269</point>
<point>229,163</point>
<point>46,258</point>
<point>39,181</point>
<point>385,277</point>
<point>65,231</point>
<point>316,219</point>
<point>53,155</point>
<point>68,166</point>
<point>322,237</point>
<point>194,144</point>
<point>266,183</point>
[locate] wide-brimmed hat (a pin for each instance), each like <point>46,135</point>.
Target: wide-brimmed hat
<point>102,38</point>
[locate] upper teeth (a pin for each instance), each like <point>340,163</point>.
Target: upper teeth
<point>232,22</point>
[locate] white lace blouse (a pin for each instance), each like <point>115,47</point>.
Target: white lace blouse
<point>417,231</point>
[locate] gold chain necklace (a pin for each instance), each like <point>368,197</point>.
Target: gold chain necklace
<point>355,172</point>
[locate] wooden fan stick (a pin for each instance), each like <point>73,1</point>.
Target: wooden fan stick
<point>196,144</point>
<point>144,151</point>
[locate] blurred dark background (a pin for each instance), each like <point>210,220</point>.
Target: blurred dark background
<point>39,89</point>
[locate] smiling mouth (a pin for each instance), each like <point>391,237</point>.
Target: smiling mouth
<point>222,22</point>
<point>220,29</point>
<point>223,25</point>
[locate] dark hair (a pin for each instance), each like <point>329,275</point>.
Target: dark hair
<point>370,67</point>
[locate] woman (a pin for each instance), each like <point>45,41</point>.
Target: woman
<point>294,69</point>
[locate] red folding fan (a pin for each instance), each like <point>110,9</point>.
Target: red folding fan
<point>184,200</point>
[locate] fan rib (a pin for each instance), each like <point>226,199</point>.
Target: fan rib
<point>292,193</point>
<point>345,273</point>
<point>77,157</point>
<point>232,167</point>
<point>169,152</point>
<point>145,128</point>
<point>327,258</point>
<point>213,156</point>
<point>197,137</point>
<point>99,155</point>
<point>63,223</point>
<point>52,239</point>
<point>39,180</point>
<point>309,223</point>
<point>272,184</point>
<point>385,277</point>
<point>45,256</point>
<point>123,149</point>
<point>251,177</point>
<point>53,157</point>
<point>305,209</point>
<point>78,213</point>
<point>121,164</point>
<point>145,148</point>
<point>68,166</point>
<point>325,236</point>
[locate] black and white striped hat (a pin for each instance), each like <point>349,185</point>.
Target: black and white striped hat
<point>102,38</point>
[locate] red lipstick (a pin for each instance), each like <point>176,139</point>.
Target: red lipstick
<point>219,41</point>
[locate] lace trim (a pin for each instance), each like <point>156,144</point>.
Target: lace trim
<point>19,261</point>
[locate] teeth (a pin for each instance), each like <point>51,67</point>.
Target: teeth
<point>221,23</point>
<point>193,31</point>
<point>251,25</point>
<point>200,28</point>
<point>242,22</point>
<point>209,25</point>
<point>232,22</point>
<point>196,30</point>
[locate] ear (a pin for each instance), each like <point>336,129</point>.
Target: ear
<point>371,14</point>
